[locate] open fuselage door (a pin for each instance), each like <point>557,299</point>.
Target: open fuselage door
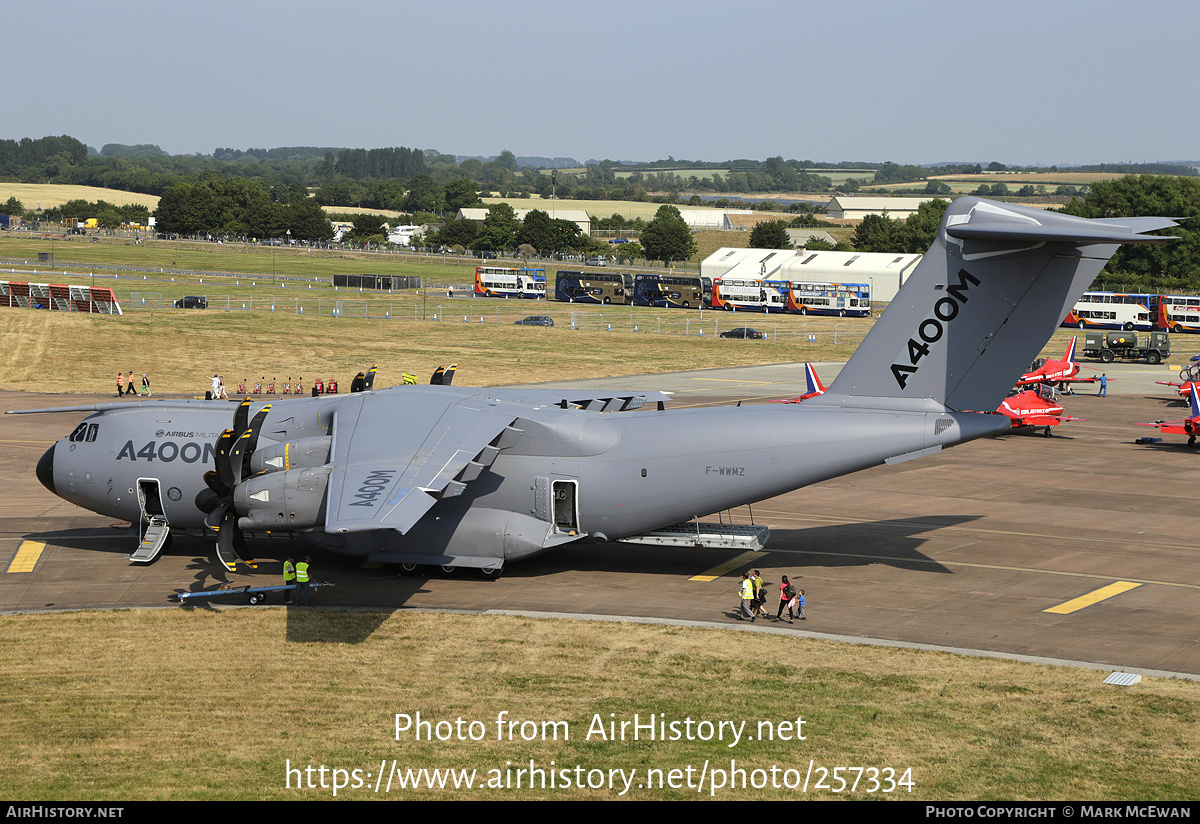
<point>154,528</point>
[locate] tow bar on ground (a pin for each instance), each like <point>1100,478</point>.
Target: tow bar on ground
<point>255,595</point>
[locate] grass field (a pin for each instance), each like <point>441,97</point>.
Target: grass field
<point>218,703</point>
<point>180,349</point>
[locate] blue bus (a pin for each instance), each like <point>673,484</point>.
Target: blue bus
<point>591,287</point>
<point>672,291</point>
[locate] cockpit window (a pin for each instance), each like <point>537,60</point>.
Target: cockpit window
<point>85,432</point>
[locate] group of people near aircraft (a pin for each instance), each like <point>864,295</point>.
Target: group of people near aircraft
<point>753,593</point>
<point>125,385</point>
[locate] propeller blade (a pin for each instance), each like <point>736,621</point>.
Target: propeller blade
<point>252,433</point>
<point>207,499</point>
<point>240,416</point>
<point>436,380</point>
<point>239,546</point>
<point>214,483</point>
<point>237,461</point>
<point>221,458</point>
<point>212,521</point>
<point>231,543</point>
<point>225,551</point>
<point>448,375</point>
<point>369,381</point>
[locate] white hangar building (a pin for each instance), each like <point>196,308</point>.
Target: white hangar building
<point>578,216</point>
<point>884,272</point>
<point>856,208</point>
<point>710,218</point>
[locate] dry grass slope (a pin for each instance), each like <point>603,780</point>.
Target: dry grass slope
<point>157,711</point>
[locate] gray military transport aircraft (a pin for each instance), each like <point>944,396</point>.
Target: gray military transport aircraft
<point>469,477</point>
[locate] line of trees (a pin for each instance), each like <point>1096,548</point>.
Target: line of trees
<point>386,177</point>
<point>235,207</point>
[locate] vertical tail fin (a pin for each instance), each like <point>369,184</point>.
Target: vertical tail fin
<point>980,305</point>
<point>1195,398</point>
<point>1069,357</point>
<point>815,387</point>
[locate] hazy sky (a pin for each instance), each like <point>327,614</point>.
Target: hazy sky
<point>922,81</point>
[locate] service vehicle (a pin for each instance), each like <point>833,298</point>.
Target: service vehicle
<point>1151,347</point>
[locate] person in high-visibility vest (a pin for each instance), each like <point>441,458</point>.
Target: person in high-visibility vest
<point>747,593</point>
<point>302,580</point>
<point>289,577</point>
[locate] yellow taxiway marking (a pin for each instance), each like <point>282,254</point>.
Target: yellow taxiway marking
<point>733,563</point>
<point>1076,604</point>
<point>27,556</point>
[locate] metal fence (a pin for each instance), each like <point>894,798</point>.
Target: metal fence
<point>507,312</point>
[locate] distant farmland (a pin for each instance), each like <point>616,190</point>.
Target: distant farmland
<point>49,195</point>
<point>963,184</point>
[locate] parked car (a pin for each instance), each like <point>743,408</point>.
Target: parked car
<point>743,332</point>
<point>192,302</point>
<point>535,320</point>
<point>596,262</point>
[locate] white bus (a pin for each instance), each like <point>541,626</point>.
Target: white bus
<point>750,295</point>
<point>841,299</point>
<point>505,282</point>
<point>1113,310</point>
<point>1178,313</point>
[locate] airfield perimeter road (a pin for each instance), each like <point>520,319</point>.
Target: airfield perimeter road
<point>971,549</point>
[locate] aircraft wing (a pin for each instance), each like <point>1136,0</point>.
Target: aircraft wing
<point>392,464</point>
<point>1168,427</point>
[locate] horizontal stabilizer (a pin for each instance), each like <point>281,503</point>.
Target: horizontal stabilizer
<point>980,305</point>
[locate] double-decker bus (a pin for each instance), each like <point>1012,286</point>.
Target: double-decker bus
<point>505,282</point>
<point>1113,310</point>
<point>591,287</point>
<point>1178,313</point>
<point>818,298</point>
<point>750,295</point>
<point>686,291</point>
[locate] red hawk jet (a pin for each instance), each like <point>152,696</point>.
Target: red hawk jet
<point>1187,426</point>
<point>1056,371</point>
<point>1034,408</point>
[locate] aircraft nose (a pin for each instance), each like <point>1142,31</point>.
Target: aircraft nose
<point>45,470</point>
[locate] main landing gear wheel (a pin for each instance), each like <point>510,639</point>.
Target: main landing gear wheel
<point>409,569</point>
<point>491,573</point>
